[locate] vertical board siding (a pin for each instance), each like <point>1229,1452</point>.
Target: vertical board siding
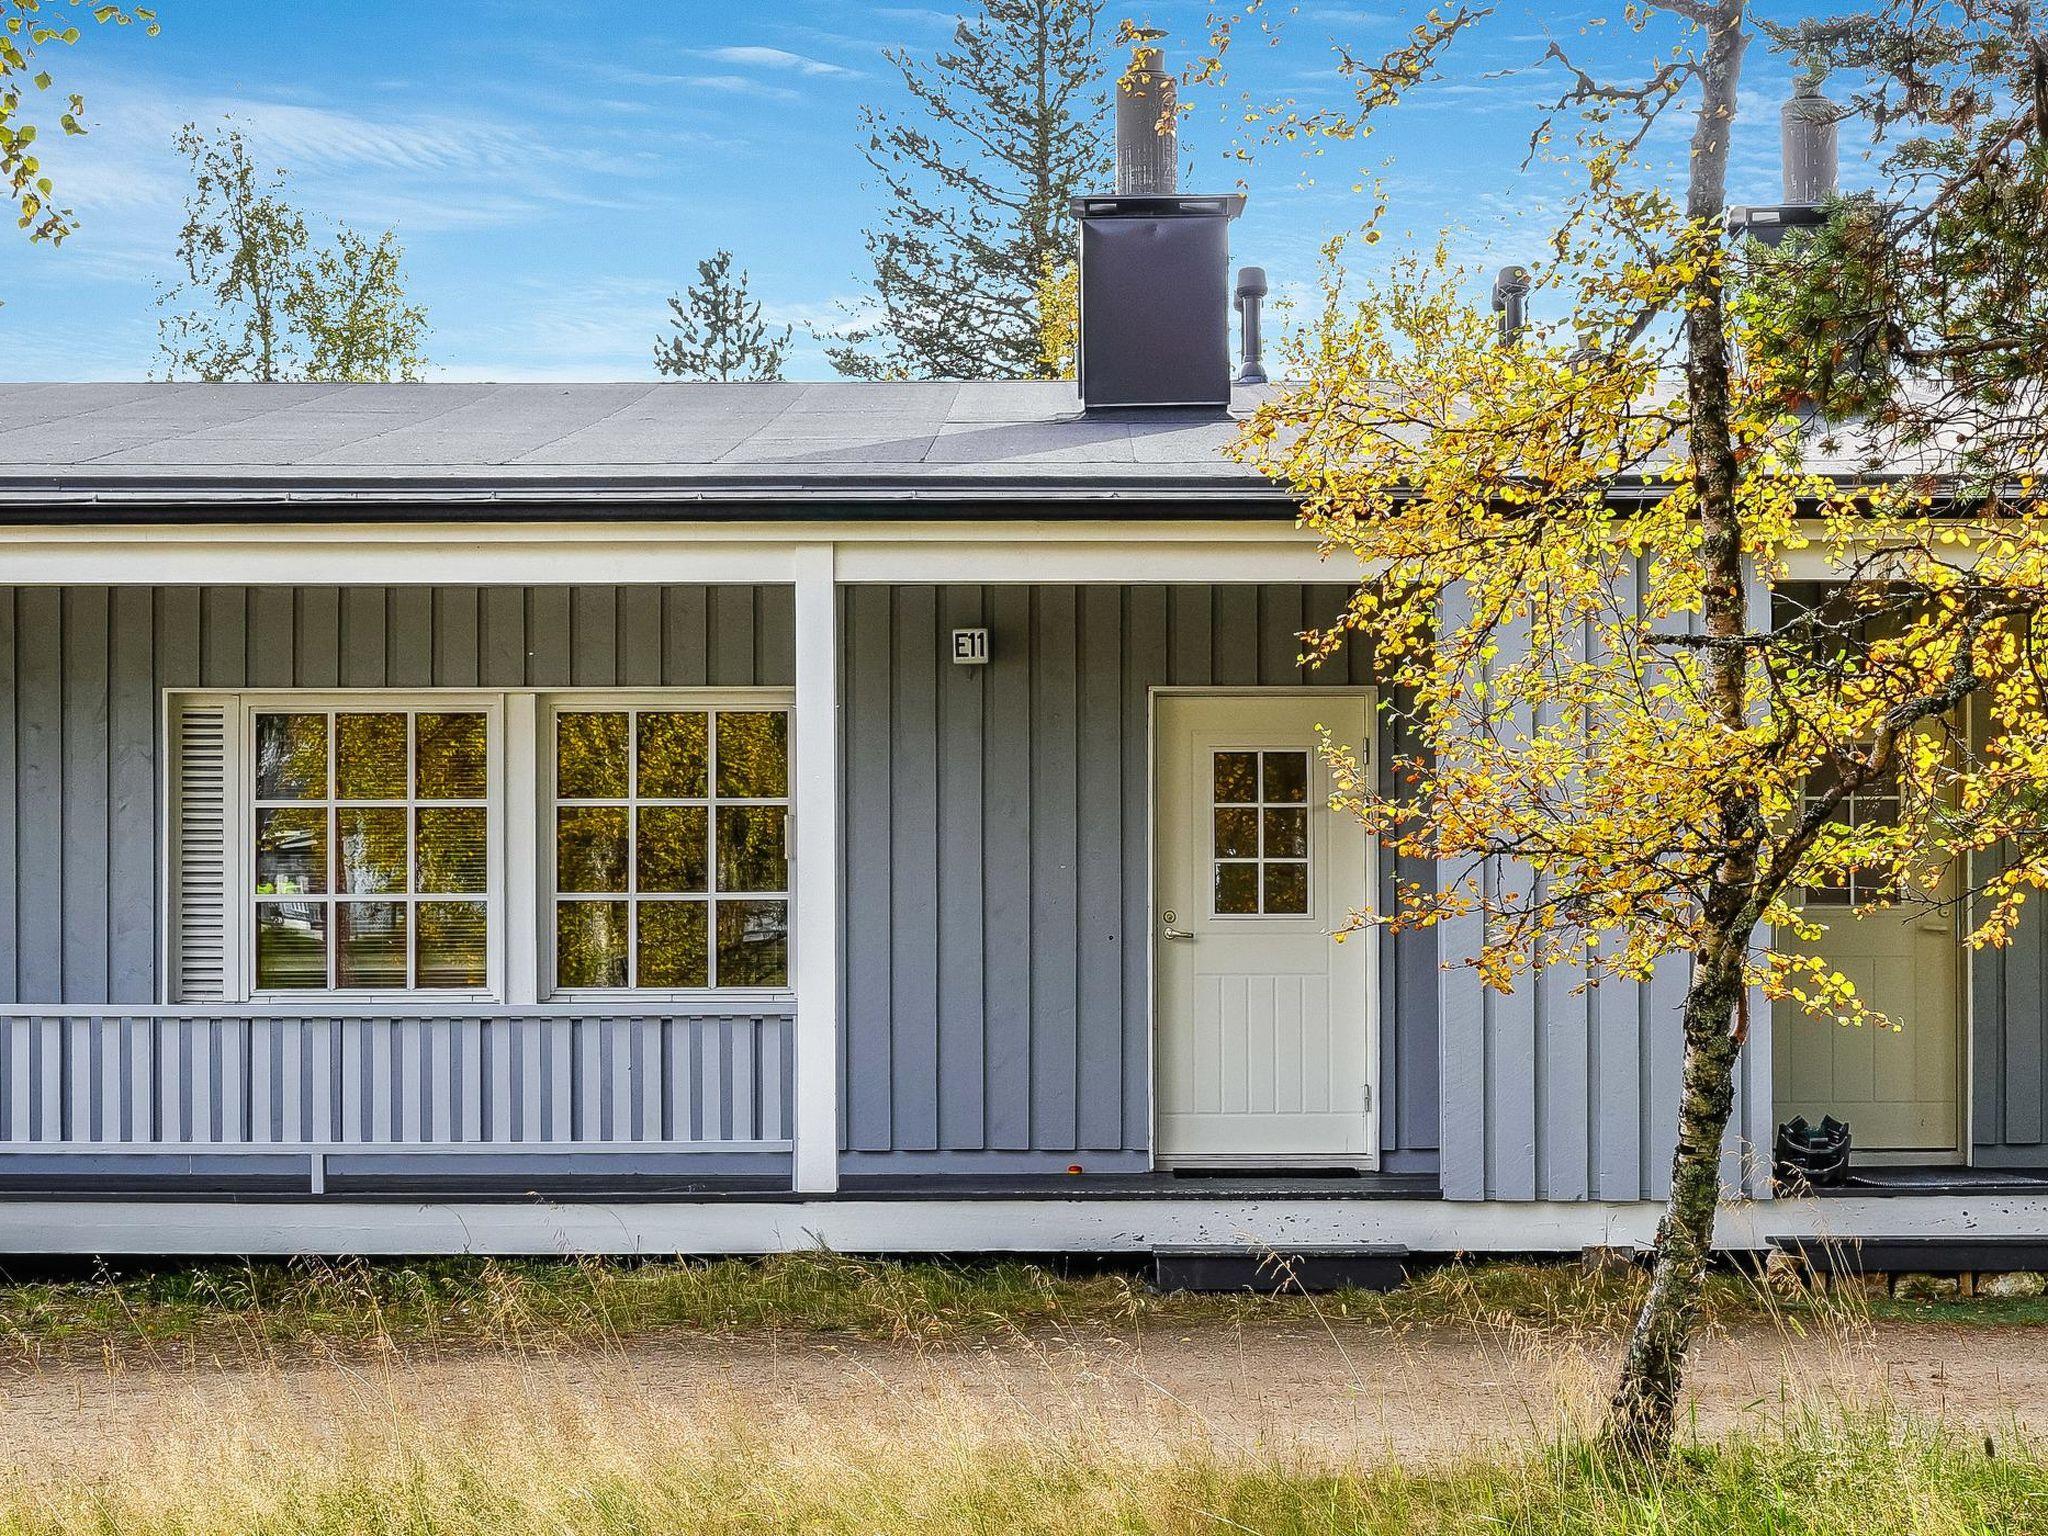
<point>2008,994</point>
<point>998,986</point>
<point>83,669</point>
<point>193,1079</point>
<point>1561,1090</point>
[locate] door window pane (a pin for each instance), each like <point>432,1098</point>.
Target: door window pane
<point>369,757</point>
<point>291,945</point>
<point>291,757</point>
<point>1260,849</point>
<point>590,756</point>
<point>369,941</point>
<point>673,951</point>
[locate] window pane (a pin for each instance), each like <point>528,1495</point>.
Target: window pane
<point>1286,776</point>
<point>590,756</point>
<point>1237,777</point>
<point>291,757</point>
<point>452,851</point>
<point>671,852</point>
<point>1287,834</point>
<point>1237,834</point>
<point>451,763</point>
<point>590,848</point>
<point>451,944</point>
<point>673,748</point>
<point>753,944</point>
<point>590,943</point>
<point>291,945</point>
<point>753,755</point>
<point>672,944</point>
<point>1237,888</point>
<point>1287,888</point>
<point>369,944</point>
<point>369,757</point>
<point>751,856</point>
<point>291,851</point>
<point>371,843</point>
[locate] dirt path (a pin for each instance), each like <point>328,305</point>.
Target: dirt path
<point>1352,1391</point>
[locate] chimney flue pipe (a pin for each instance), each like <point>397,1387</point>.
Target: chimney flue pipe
<point>1807,138</point>
<point>1147,141</point>
<point>1511,303</point>
<point>1251,294</point>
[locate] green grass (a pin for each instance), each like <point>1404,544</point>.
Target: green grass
<point>1864,1475</point>
<point>499,1303</point>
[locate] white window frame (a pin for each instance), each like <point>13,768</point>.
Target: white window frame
<point>368,700</point>
<point>712,700</point>
<point>1259,807</point>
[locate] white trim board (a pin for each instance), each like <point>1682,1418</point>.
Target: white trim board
<point>553,554</point>
<point>737,1226</point>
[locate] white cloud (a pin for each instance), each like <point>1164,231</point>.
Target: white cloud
<point>774,58</point>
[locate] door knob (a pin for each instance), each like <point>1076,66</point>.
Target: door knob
<point>1176,933</point>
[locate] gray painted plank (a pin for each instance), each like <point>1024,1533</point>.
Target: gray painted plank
<point>732,637</point>
<point>133,719</point>
<point>1145,660</point>
<point>317,651</point>
<point>640,637</point>
<point>1099,1109</point>
<point>224,637</point>
<point>1008,981</point>
<point>963,1022</point>
<point>502,641</point>
<point>10,873</point>
<point>870,661</point>
<point>685,637</point>
<point>457,622</point>
<point>914,853</point>
<point>594,637</point>
<point>362,628</point>
<point>548,637</point>
<point>1055,872</point>
<point>273,636</point>
<point>39,792</point>
<point>409,640</point>
<point>87,911</point>
<point>775,636</point>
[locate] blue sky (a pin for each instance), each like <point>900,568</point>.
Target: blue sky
<point>554,170</point>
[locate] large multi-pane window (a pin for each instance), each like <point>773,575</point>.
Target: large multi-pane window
<point>671,864</point>
<point>371,843</point>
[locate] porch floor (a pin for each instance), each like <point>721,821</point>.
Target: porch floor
<point>1939,1180</point>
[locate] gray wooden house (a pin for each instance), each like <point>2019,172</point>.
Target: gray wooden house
<point>702,818</point>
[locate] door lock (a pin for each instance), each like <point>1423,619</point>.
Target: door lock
<point>1172,932</point>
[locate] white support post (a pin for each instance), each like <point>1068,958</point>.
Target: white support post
<point>521,883</point>
<point>814,801</point>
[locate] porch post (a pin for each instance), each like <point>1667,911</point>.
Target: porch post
<point>814,799</point>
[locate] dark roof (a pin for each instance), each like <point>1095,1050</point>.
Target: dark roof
<point>214,446</point>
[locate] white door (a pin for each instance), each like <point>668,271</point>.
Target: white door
<point>1263,1033</point>
<point>1900,1090</point>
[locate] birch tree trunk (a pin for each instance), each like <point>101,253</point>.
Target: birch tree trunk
<point>1643,1411</point>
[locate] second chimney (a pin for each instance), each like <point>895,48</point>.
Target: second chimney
<point>1155,266</point>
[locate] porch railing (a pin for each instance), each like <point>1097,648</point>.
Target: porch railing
<point>114,1081</point>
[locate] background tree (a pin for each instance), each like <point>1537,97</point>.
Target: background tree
<point>977,190</point>
<point>1628,761</point>
<point>27,29</point>
<point>717,330</point>
<point>259,301</point>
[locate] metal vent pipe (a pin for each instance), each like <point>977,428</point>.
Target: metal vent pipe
<point>1147,140</point>
<point>1251,294</point>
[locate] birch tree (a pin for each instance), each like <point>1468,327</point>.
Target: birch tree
<point>29,30</point>
<point>258,299</point>
<point>1571,548</point>
<point>976,189</point>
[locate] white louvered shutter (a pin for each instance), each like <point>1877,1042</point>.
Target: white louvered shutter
<point>202,887</point>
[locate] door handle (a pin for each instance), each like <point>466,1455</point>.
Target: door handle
<point>1176,933</point>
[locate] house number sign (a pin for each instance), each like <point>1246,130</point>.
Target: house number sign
<point>970,647</point>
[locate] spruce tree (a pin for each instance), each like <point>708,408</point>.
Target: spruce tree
<point>977,191</point>
<point>717,330</point>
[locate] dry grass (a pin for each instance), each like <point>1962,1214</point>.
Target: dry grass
<point>480,1303</point>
